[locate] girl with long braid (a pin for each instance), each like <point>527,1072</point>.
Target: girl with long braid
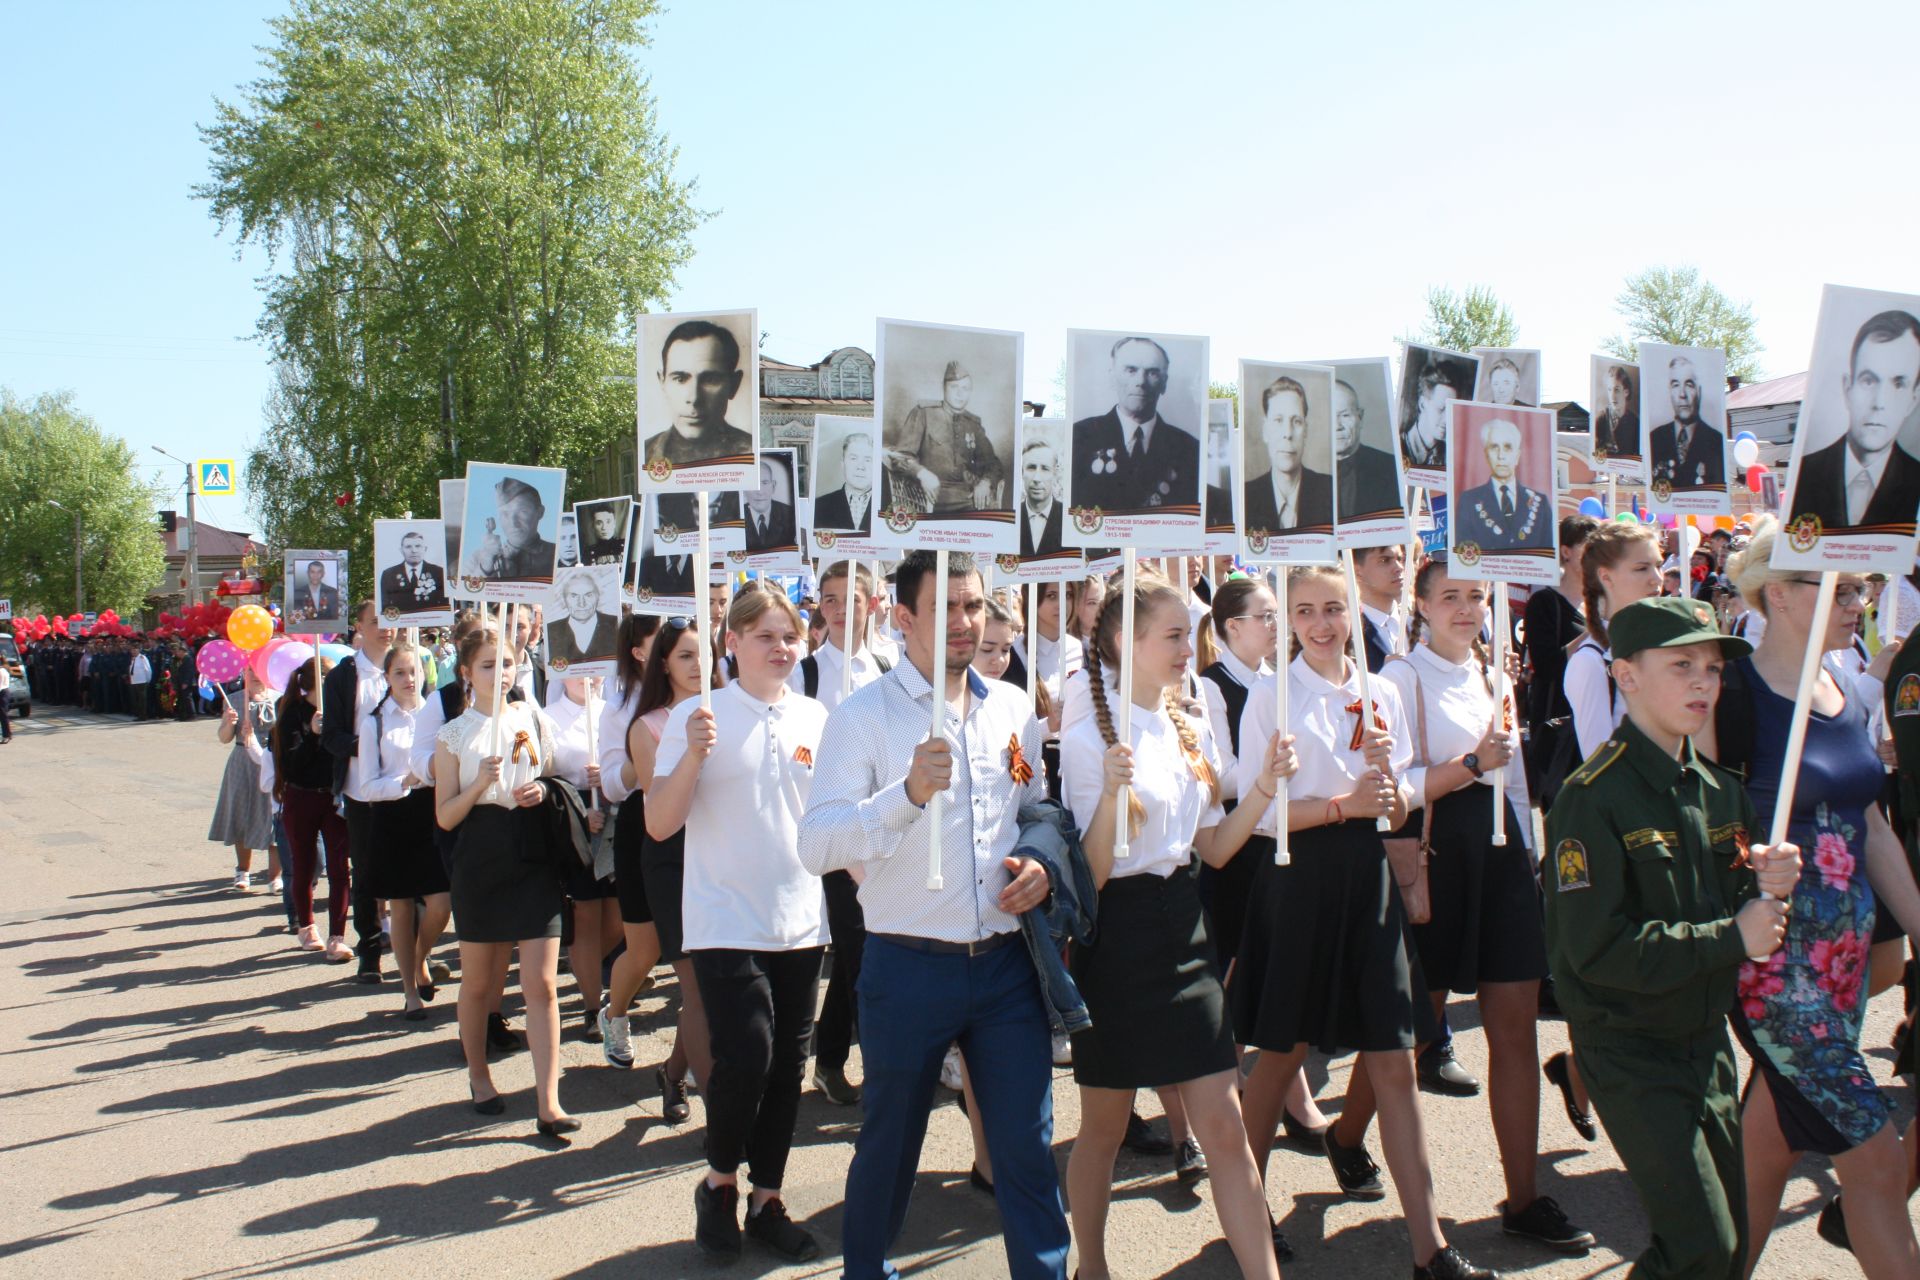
<point>1151,980</point>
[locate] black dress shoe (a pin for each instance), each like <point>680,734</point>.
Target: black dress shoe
<point>557,1128</point>
<point>1142,1139</point>
<point>716,1220</point>
<point>427,992</point>
<point>1451,1264</point>
<point>499,1035</point>
<point>673,1097</point>
<point>1282,1251</point>
<point>978,1181</point>
<point>1309,1138</point>
<point>415,1015</point>
<point>1189,1163</point>
<point>1440,1071</point>
<point>370,969</point>
<point>769,1225</point>
<point>1543,1222</point>
<point>1555,1070</point>
<point>1354,1170</point>
<point>486,1106</point>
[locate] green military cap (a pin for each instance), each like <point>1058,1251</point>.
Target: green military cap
<point>1667,622</point>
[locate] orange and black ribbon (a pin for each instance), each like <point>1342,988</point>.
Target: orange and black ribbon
<point>803,755</point>
<point>523,741</point>
<point>1017,761</point>
<point>1353,709</point>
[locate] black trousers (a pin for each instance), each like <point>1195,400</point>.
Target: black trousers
<point>366,907</point>
<point>839,1019</point>
<point>6,713</point>
<point>759,1017</point>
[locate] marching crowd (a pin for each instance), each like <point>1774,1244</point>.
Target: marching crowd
<point>1108,876</point>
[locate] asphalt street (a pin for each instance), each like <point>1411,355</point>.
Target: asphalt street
<point>186,1094</point>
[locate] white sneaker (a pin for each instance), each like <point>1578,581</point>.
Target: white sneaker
<point>1062,1051</point>
<point>950,1068</point>
<point>243,882</point>
<point>279,886</point>
<point>616,1038</point>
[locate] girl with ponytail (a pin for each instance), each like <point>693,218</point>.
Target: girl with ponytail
<point>1621,564</point>
<point>1151,981</point>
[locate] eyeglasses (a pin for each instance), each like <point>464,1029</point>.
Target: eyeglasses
<point>1269,617</point>
<point>1845,594</point>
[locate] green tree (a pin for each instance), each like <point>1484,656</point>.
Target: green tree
<point>1461,321</point>
<point>1677,306</point>
<point>466,204</point>
<point>49,449</point>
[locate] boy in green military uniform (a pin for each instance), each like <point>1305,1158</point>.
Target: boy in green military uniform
<point>1651,907</point>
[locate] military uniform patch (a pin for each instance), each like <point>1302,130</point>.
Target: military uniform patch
<point>1570,866</point>
<point>1906,696</point>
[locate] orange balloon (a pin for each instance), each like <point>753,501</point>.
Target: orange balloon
<point>249,627</point>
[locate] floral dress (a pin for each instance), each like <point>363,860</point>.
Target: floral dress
<point>1799,1010</point>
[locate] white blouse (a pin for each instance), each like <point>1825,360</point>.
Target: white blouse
<point>570,757</point>
<point>526,737</point>
<point>615,715</point>
<point>387,750</point>
<point>1322,716</point>
<point>1244,676</point>
<point>1597,708</point>
<point>1177,803</point>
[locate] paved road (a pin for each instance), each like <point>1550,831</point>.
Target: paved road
<point>186,1095</point>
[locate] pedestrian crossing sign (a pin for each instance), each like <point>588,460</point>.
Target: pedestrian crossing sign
<point>216,477</point>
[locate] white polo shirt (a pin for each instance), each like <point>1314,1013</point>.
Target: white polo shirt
<point>744,887</point>
<point>1322,716</point>
<point>1177,803</point>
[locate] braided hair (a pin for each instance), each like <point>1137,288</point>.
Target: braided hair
<point>1150,590</point>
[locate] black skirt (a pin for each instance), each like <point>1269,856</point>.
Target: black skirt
<point>1152,986</point>
<point>629,836</point>
<point>406,856</point>
<point>506,885</point>
<point>1488,923</point>
<point>1324,957</point>
<point>663,864</point>
<point>1225,892</point>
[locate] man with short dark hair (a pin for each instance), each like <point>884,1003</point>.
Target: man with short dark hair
<point>1616,429</point>
<point>1423,436</point>
<point>1865,479</point>
<point>770,522</point>
<point>413,585</point>
<point>1130,458</point>
<point>605,545</point>
<point>314,600</point>
<point>699,375</point>
<point>1289,495</point>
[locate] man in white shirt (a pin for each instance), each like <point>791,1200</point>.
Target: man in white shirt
<point>139,685</point>
<point>943,964</point>
<point>347,698</point>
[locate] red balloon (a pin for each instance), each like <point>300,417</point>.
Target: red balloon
<point>1756,477</point>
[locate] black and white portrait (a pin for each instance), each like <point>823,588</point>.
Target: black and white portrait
<point>771,508</point>
<point>1286,439</point>
<point>583,618</point>
<point>1369,492</point>
<point>677,520</point>
<point>410,583</point>
<point>699,396</point>
<point>1855,479</point>
<point>849,483</point>
<point>511,530</point>
<point>316,583</point>
<point>664,567</point>
<point>568,540</point>
<point>1043,509</point>
<point>1431,378</point>
<point>602,525</point>
<point>947,398</point>
<point>1685,395</point>
<point>1508,375</point>
<point>1217,492</point>
<point>453,504</point>
<point>1138,404</point>
<point>1615,396</point>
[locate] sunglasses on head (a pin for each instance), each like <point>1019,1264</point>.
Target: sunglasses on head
<point>679,624</point>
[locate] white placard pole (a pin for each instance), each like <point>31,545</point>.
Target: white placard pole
<point>1357,633</point>
<point>936,882</point>
<point>850,594</point>
<point>1500,708</point>
<point>1802,704</point>
<point>1613,497</point>
<point>1033,644</point>
<point>593,743</point>
<point>1122,829</point>
<point>703,624</point>
<point>1281,676</point>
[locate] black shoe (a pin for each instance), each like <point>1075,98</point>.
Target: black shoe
<point>1189,1163</point>
<point>1142,1139</point>
<point>499,1035</point>
<point>427,992</point>
<point>590,1030</point>
<point>370,969</point>
<point>1354,1170</point>
<point>1282,1251</point>
<point>1309,1138</point>
<point>673,1097</point>
<point>558,1129</point>
<point>493,1106</point>
<point>1544,1223</point>
<point>1903,1049</point>
<point>770,1225</point>
<point>978,1181</point>
<point>716,1220</point>
<point>1833,1226</point>
<point>1549,1004</point>
<point>1555,1070</point>
<point>415,1015</point>
<point>1442,1072</point>
<point>1450,1264</point>
<point>835,1088</point>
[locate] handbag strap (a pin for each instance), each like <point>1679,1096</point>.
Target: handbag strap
<point>1420,726</point>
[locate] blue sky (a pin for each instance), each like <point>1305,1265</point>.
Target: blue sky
<point>1287,179</point>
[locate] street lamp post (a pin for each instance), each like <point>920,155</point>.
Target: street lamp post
<point>193,556</point>
<point>79,596</point>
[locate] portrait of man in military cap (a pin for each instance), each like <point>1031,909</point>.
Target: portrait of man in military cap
<point>511,528</point>
<point>941,460</point>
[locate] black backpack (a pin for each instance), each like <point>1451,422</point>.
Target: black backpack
<point>810,673</point>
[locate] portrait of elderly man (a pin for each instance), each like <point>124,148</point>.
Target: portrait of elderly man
<point>413,585</point>
<point>700,374</point>
<point>770,522</point>
<point>1687,452</point>
<point>1366,482</point>
<point>1866,478</point>
<point>1423,436</point>
<point>1040,511</point>
<point>1288,495</point>
<point>1616,431</point>
<point>510,545</point>
<point>1503,383</point>
<point>581,632</point>
<point>1130,458</point>
<point>940,460</point>
<point>849,509</point>
<point>313,599</point>
<point>1503,514</point>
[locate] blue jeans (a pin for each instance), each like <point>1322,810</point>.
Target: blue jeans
<point>912,1006</point>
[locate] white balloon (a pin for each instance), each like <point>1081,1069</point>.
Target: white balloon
<point>1746,453</point>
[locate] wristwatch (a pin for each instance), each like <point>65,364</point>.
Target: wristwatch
<point>1472,762</point>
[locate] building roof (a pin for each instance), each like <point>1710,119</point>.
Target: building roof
<point>1791,389</point>
<point>210,541</point>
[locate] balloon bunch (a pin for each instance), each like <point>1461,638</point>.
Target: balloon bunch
<point>1746,454</point>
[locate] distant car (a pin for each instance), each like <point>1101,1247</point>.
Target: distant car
<point>22,691</point>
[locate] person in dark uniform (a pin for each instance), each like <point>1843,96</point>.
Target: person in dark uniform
<point>1130,458</point>
<point>670,574</point>
<point>1366,482</point>
<point>1289,496</point>
<point>413,585</point>
<point>1686,451</point>
<point>1503,514</point>
<point>849,509</point>
<point>1616,431</point>
<point>1651,879</point>
<point>605,545</point>
<point>512,548</point>
<point>941,460</point>
<point>313,600</point>
<point>1865,478</point>
<point>700,375</point>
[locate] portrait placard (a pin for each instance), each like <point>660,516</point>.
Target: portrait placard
<point>1686,389</point>
<point>315,602</point>
<point>1369,488</point>
<point>453,509</point>
<point>840,512</point>
<point>1614,393</point>
<point>1507,375</point>
<point>583,622</point>
<point>1431,378</point>
<point>772,511</point>
<point>698,375</point>
<point>948,399</point>
<point>511,529</point>
<point>1501,521</point>
<point>1286,462</point>
<point>1045,555</point>
<point>666,557</point>
<point>1138,405</point>
<point>410,573</point>
<point>1220,495</point>
<point>1854,482</point>
<point>604,525</point>
<point>567,543</point>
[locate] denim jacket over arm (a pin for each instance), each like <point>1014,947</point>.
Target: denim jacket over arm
<point>1048,836</point>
